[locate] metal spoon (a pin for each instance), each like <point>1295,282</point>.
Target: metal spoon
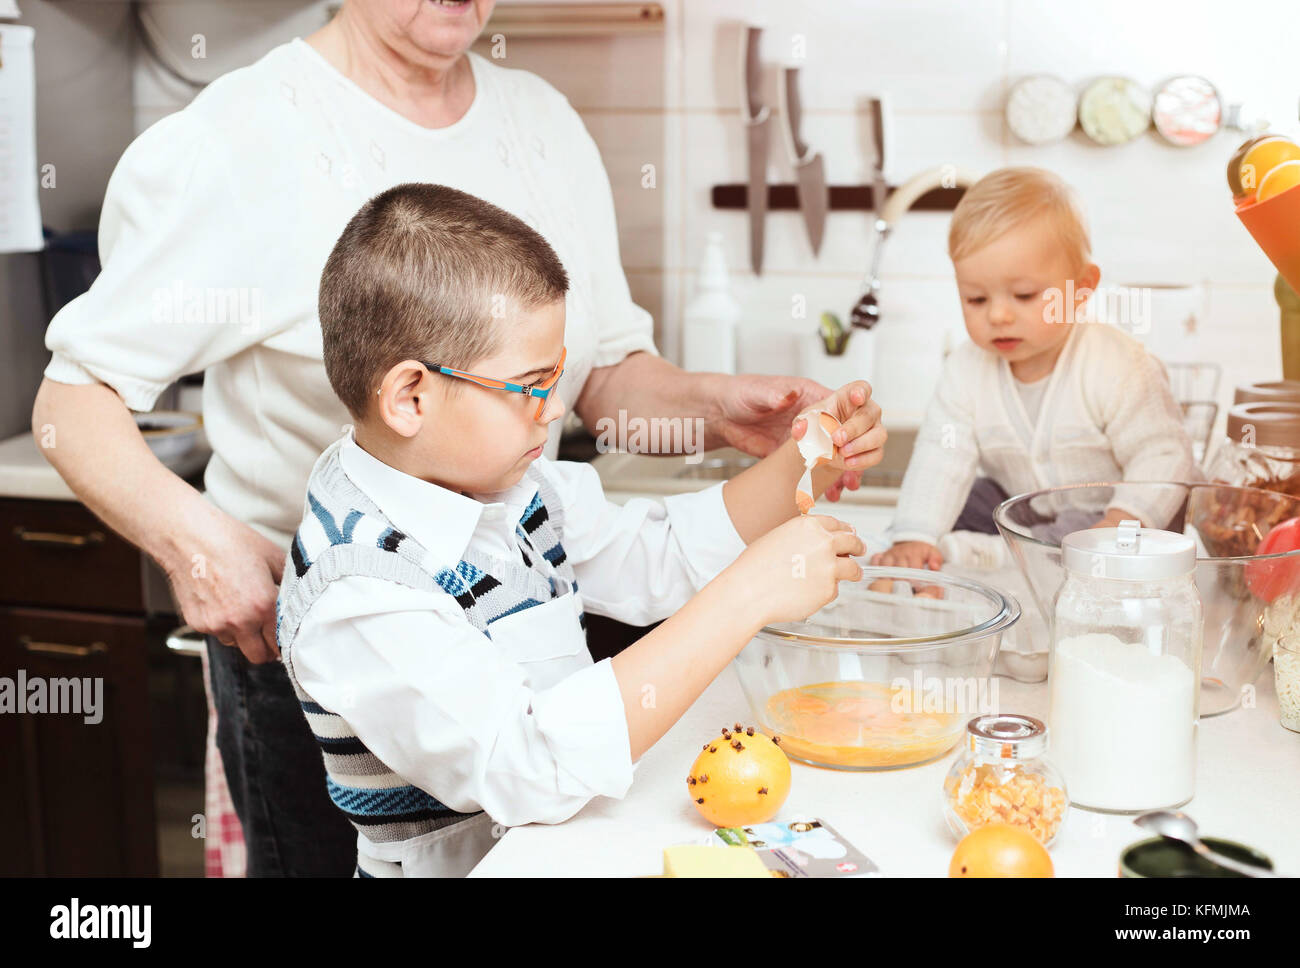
<point>866,311</point>
<point>1176,825</point>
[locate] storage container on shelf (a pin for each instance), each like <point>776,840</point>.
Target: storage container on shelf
<point>1267,391</point>
<point>1261,449</point>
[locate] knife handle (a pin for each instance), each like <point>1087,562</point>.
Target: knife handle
<point>876,115</point>
<point>751,73</point>
<point>792,114</point>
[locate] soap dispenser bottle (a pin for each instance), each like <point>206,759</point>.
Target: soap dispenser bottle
<point>709,326</point>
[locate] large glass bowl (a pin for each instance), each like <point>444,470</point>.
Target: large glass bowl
<point>1248,599</point>
<point>887,675</point>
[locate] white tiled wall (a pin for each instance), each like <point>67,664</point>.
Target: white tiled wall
<point>1158,213</point>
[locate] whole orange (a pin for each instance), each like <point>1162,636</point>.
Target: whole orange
<point>740,778</point>
<point>1262,157</point>
<point>1000,850</point>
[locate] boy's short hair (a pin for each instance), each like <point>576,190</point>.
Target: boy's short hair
<point>1005,198</point>
<point>426,272</point>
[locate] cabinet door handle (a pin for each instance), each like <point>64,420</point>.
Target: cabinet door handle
<point>186,641</point>
<point>57,540</point>
<point>61,650</point>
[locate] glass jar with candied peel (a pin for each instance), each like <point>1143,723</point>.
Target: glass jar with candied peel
<point>1003,775</point>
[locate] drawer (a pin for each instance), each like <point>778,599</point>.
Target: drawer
<point>58,554</point>
<point>82,791</point>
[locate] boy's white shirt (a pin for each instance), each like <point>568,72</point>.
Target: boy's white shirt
<point>523,725</point>
<point>1107,414</point>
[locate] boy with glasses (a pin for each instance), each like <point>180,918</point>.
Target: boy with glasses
<point>432,612</point>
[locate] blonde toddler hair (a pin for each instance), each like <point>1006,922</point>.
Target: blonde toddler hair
<point>1008,197</point>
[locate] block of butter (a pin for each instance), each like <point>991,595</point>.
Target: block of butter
<point>694,860</point>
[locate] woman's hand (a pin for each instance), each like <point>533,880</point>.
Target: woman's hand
<point>223,574</point>
<point>755,413</point>
<point>228,585</point>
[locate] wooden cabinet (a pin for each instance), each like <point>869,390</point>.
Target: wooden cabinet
<point>78,794</point>
<point>85,766</point>
<point>57,553</point>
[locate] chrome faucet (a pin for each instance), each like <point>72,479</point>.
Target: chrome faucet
<point>866,311</point>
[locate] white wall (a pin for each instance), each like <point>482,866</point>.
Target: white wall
<point>1158,213</point>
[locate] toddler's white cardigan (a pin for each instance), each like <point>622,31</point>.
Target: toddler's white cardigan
<point>1107,415</point>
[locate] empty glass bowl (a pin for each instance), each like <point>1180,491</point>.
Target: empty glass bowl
<point>1248,599</point>
<point>887,675</point>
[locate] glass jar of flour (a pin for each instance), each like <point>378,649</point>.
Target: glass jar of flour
<point>1126,669</point>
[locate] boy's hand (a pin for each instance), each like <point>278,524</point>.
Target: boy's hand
<point>861,437</point>
<point>796,568</point>
<point>910,554</point>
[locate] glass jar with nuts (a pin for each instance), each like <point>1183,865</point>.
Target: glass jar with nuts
<point>1003,776</point>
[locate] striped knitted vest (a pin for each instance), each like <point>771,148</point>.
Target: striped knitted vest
<point>344,533</point>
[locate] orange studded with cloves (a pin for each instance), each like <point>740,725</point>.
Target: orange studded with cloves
<point>740,778</point>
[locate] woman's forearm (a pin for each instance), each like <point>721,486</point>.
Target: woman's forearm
<point>646,386</point>
<point>87,433</point>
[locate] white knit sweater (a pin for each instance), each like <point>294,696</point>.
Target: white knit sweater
<point>219,218</point>
<point>1107,415</point>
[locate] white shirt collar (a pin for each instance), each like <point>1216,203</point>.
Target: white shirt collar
<point>441,520</point>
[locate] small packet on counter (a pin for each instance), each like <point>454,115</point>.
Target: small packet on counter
<point>802,847</point>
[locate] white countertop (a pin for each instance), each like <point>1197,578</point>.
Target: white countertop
<point>24,471</point>
<point>1248,787</point>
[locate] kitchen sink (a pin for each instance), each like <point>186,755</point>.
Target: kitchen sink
<point>724,465</point>
<point>716,468</point>
<point>647,474</point>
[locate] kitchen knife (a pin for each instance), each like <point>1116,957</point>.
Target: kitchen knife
<point>756,116</point>
<point>876,117</point>
<point>809,169</point>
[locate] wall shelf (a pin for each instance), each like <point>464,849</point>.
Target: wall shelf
<point>844,198</point>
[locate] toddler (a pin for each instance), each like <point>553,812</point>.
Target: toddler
<point>1038,398</point>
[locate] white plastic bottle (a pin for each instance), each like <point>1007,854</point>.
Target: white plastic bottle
<point>709,324</point>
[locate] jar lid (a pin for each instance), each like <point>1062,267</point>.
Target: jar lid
<point>1273,424</point>
<point>1268,391</point>
<point>1007,736</point>
<point>1129,553</point>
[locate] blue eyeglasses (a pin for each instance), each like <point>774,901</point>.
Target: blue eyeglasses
<point>541,390</point>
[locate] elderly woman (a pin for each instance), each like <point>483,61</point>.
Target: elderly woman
<point>214,230</point>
